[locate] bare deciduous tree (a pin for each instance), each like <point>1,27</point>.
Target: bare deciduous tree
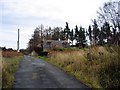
<point>109,13</point>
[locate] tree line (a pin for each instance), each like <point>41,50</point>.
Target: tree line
<point>104,30</point>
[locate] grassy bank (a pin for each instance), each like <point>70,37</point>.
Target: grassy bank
<point>97,67</point>
<point>10,66</point>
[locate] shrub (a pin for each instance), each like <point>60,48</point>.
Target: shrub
<point>109,74</point>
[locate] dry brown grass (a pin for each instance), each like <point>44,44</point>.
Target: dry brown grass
<point>11,53</point>
<point>0,59</point>
<point>95,66</point>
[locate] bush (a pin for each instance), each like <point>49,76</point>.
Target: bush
<point>109,76</point>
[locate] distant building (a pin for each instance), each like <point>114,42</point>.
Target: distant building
<point>50,44</point>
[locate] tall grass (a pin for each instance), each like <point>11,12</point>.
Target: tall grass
<point>10,66</point>
<point>97,67</point>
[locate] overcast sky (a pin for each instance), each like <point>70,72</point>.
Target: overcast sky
<point>28,14</point>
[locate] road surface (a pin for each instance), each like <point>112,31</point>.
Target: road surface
<point>36,73</point>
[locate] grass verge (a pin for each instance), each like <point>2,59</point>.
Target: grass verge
<point>10,66</point>
<point>43,58</point>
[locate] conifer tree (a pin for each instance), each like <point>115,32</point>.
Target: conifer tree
<point>76,32</point>
<point>107,31</point>
<point>67,30</point>
<point>72,36</point>
<point>90,34</point>
<point>95,32</point>
<point>101,37</point>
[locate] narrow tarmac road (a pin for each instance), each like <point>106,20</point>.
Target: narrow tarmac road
<point>36,73</point>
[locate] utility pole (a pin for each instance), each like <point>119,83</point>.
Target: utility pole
<point>41,28</point>
<point>18,40</point>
